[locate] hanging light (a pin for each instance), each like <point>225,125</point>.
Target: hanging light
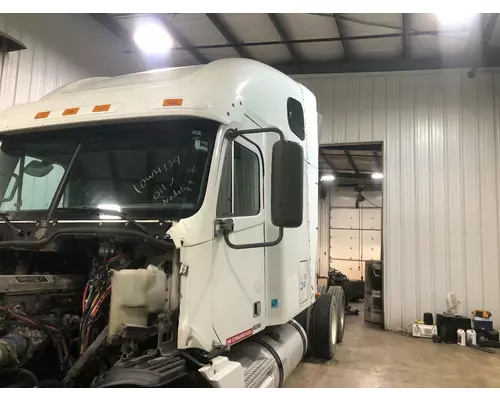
<point>327,178</point>
<point>152,38</point>
<point>377,175</point>
<point>455,19</point>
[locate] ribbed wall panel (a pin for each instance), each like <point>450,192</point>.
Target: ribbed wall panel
<point>60,48</point>
<point>441,136</point>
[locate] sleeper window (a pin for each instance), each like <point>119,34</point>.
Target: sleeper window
<point>296,117</point>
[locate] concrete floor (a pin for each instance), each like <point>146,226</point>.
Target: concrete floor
<point>370,357</point>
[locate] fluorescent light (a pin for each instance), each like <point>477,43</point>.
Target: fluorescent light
<point>152,38</point>
<point>377,175</point>
<point>455,18</point>
<point>113,207</point>
<point>327,178</point>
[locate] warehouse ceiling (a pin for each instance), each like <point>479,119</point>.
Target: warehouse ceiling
<point>352,165</point>
<point>324,43</point>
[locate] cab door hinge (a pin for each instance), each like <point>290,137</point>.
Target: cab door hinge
<point>223,227</point>
<point>184,269</point>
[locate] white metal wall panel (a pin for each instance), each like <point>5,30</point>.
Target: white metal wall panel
<point>60,48</point>
<point>441,135</point>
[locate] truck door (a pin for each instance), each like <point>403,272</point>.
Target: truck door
<point>239,279</point>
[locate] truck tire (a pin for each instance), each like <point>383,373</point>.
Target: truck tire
<point>339,294</point>
<point>325,326</point>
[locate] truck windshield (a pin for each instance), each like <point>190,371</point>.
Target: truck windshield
<point>155,169</point>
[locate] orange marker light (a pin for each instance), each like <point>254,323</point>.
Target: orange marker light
<point>71,111</point>
<point>43,114</point>
<point>172,102</point>
<point>101,108</point>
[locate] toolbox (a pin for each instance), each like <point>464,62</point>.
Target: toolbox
<point>482,324</point>
<point>491,335</point>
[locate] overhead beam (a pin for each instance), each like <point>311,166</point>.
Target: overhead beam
<point>488,30</point>
<point>185,43</point>
<point>485,39</point>
<point>351,161</point>
<point>346,175</point>
<point>353,147</point>
<point>365,186</point>
<point>319,40</point>
<point>284,36</point>
<point>335,172</point>
<point>8,44</point>
<point>387,65</point>
<point>228,35</point>
<point>113,26</point>
<point>406,25</point>
<point>340,28</point>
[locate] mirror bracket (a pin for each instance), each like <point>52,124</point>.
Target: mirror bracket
<point>223,227</point>
<point>232,134</point>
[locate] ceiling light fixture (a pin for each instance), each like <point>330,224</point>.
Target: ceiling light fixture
<point>377,175</point>
<point>152,38</point>
<point>327,178</point>
<point>456,19</point>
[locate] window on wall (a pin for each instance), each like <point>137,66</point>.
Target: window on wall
<point>239,191</point>
<point>296,117</point>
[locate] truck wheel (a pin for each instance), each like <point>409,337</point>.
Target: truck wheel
<point>339,294</point>
<point>325,326</point>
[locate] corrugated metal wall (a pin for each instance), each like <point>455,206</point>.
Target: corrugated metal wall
<point>60,48</point>
<point>441,138</point>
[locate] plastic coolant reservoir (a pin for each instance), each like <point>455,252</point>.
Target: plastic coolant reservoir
<point>135,293</point>
<point>461,340</point>
<point>471,337</point>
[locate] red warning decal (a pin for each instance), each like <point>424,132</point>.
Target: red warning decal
<point>239,337</point>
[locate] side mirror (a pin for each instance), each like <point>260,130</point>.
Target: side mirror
<point>38,169</point>
<point>287,184</point>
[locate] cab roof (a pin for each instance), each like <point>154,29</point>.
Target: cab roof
<point>220,90</point>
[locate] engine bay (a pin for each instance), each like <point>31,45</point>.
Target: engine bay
<point>92,312</point>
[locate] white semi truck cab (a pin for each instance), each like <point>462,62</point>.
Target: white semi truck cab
<point>159,229</point>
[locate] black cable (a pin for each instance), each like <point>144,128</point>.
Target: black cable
<point>21,371</point>
<point>89,351</point>
<point>374,205</point>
